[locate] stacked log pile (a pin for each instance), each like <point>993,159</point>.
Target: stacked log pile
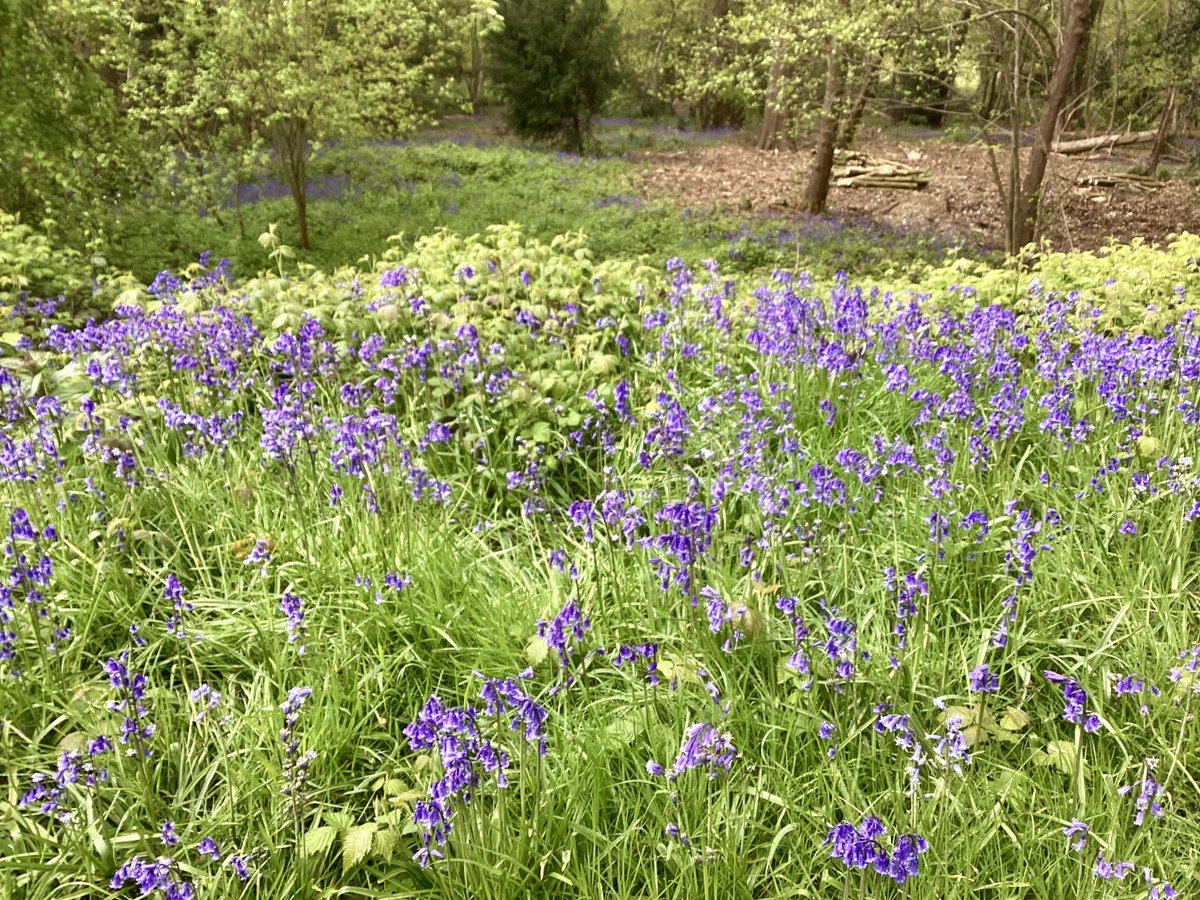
<point>852,169</point>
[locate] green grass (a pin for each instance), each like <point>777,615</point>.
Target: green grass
<point>364,194</point>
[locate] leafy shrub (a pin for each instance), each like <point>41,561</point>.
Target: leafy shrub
<point>1135,286</point>
<point>556,65</point>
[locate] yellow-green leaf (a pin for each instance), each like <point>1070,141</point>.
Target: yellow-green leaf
<point>318,840</point>
<point>383,844</point>
<point>357,844</point>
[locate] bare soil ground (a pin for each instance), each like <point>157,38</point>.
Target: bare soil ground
<point>961,199</point>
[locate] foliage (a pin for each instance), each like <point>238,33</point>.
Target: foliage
<point>65,153</point>
<point>31,266</point>
<point>654,36</point>
<point>1136,287</point>
<point>283,73</point>
<point>555,65</point>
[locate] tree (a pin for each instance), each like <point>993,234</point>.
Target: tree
<point>63,146</point>
<point>811,57</point>
<point>208,77</point>
<point>556,65</point>
<point>1023,224</point>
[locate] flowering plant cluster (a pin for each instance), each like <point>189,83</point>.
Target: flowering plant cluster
<point>819,538</point>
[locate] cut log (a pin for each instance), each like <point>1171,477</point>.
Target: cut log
<point>1118,179</point>
<point>1102,141</point>
<point>854,169</point>
<point>894,184</point>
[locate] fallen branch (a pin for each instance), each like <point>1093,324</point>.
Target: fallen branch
<point>896,184</point>
<point>1118,179</point>
<point>1103,141</point>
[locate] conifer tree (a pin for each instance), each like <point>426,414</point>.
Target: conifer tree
<point>556,66</point>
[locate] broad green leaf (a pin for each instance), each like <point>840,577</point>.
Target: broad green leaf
<point>357,844</point>
<point>536,651</point>
<point>318,840</point>
<point>1014,719</point>
<point>383,844</point>
<point>1061,756</point>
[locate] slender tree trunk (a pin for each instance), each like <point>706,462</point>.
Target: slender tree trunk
<point>291,143</point>
<point>1078,24</point>
<point>237,205</point>
<point>474,75</point>
<point>1160,138</point>
<point>1081,70</point>
<point>772,115</point>
<point>849,127</point>
<point>817,191</point>
<point>988,100</point>
<point>1012,211</point>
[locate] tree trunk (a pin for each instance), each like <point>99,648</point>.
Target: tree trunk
<point>988,100</point>
<point>1102,142</point>
<point>1160,138</point>
<point>291,138</point>
<point>1080,71</point>
<point>772,115</point>
<point>817,191</point>
<point>474,73</point>
<point>849,127</point>
<point>1078,24</point>
<point>946,89</point>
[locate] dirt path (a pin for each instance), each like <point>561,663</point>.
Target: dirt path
<point>961,199</point>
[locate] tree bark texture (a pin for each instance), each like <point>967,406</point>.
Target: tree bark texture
<point>1102,142</point>
<point>1160,137</point>
<point>866,90</point>
<point>817,191</point>
<point>291,138</point>
<point>772,114</point>
<point>1078,25</point>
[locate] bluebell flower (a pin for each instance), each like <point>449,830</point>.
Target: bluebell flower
<point>293,608</point>
<point>566,629</point>
<point>1076,702</point>
<point>860,847</point>
<point>158,878</point>
<point>1079,831</point>
<point>240,866</point>
<point>705,747</point>
<point>982,680</point>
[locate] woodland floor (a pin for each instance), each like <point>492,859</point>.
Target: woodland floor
<point>961,198</point>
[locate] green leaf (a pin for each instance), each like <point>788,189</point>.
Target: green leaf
<point>1011,787</point>
<point>536,651</point>
<point>339,820</point>
<point>357,844</point>
<point>620,733</point>
<point>1014,719</point>
<point>603,364</point>
<point>318,840</point>
<point>383,844</point>
<point>1061,755</point>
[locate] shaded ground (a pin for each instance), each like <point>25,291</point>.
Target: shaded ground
<point>962,198</point>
